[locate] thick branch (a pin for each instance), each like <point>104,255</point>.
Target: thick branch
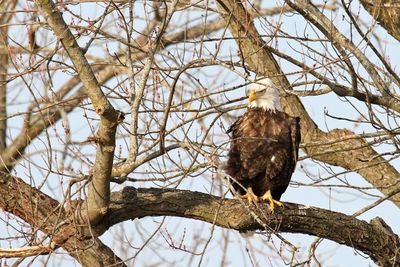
<point>375,239</point>
<point>48,215</point>
<point>4,19</point>
<point>24,251</point>
<point>341,90</point>
<point>99,188</point>
<point>3,90</point>
<point>311,13</point>
<point>39,122</point>
<point>362,159</point>
<point>387,13</point>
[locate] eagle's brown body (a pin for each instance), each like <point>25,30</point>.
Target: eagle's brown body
<point>263,151</point>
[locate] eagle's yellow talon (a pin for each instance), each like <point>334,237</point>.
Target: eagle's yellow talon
<point>272,202</point>
<point>250,196</point>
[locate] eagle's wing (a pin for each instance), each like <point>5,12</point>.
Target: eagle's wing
<point>234,125</point>
<point>279,171</point>
<point>234,163</point>
<point>295,132</point>
<point>286,152</point>
<point>283,154</point>
<point>276,162</point>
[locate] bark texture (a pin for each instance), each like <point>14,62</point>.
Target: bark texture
<point>48,215</point>
<point>7,5</point>
<point>387,13</point>
<point>375,239</point>
<point>99,188</point>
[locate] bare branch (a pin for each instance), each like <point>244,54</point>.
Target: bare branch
<point>375,239</point>
<point>386,12</point>
<point>382,245</point>
<point>312,14</point>
<point>24,251</point>
<point>8,6</point>
<point>99,188</point>
<point>48,215</point>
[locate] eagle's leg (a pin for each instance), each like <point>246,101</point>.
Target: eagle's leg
<point>250,196</point>
<point>272,202</point>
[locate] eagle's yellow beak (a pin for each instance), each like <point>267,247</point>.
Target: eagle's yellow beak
<point>252,95</point>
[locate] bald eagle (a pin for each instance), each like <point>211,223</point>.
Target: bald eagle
<point>264,147</point>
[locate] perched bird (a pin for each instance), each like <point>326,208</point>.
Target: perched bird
<point>264,147</point>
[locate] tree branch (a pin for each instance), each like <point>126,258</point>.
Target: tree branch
<point>375,238</point>
<point>8,5</point>
<point>99,188</point>
<point>386,12</point>
<point>104,73</point>
<point>311,13</point>
<point>45,213</point>
<point>25,251</point>
<point>341,90</point>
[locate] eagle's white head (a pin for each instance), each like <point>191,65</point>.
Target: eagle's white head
<point>265,94</point>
